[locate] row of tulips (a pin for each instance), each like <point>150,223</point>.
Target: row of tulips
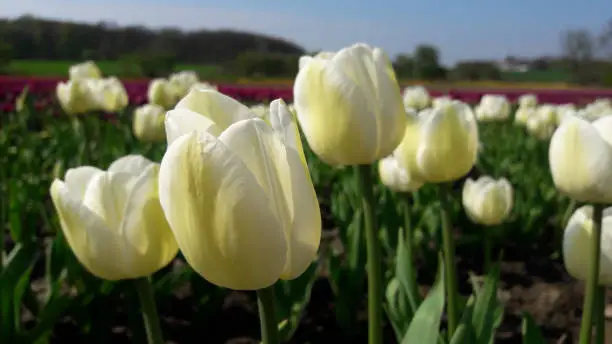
<point>235,193</point>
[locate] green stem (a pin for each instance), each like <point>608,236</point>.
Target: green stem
<point>449,261</point>
<point>267,316</point>
<point>488,247</point>
<point>375,293</point>
<point>592,279</point>
<point>149,311</point>
<point>413,291</point>
<point>600,316</point>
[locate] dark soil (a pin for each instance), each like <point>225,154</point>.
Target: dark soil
<point>529,283</point>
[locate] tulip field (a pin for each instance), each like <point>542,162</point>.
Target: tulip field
<point>176,211</point>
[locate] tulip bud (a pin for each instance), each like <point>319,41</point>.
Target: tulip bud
<point>395,177</point>
<point>74,96</point>
<point>241,204</point>
<point>492,108</point>
<point>440,144</point>
<point>161,93</point>
<point>108,94</point>
<point>523,114</point>
<point>580,156</point>
<point>149,123</point>
<point>416,97</point>
<point>577,245</point>
<point>113,220</point>
<point>487,201</point>
<point>85,70</point>
<point>350,107</point>
<point>528,101</point>
<point>182,82</point>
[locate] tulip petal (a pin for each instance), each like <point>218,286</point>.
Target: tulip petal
<point>107,195</point>
<point>284,124</point>
<point>576,245</point>
<point>184,121</point>
<point>281,173</point>
<point>334,114</point>
<point>133,164</point>
<point>150,243</point>
<point>221,218</point>
<point>221,109</point>
<point>92,242</point>
<point>392,115</point>
<point>449,143</point>
<point>580,161</point>
<point>77,179</point>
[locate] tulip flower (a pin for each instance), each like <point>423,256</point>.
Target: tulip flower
<point>580,156</point>
<point>85,70</point>
<point>349,106</point>
<point>203,86</point>
<point>108,94</point>
<point>182,82</point>
<point>492,108</point>
<point>216,107</point>
<point>261,110</point>
<point>149,123</point>
<point>439,101</point>
<point>327,55</point>
<point>587,257</point>
<point>162,93</point>
<point>487,201</point>
<point>440,144</point>
<point>576,245</point>
<point>75,96</point>
<point>241,204</point>
<point>528,101</point>
<point>113,220</point>
<point>416,97</point>
<point>523,114</point>
<point>395,177</point>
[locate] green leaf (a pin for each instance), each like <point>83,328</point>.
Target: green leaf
<point>531,331</point>
<point>464,332</point>
<point>12,286</point>
<point>425,325</point>
<point>405,272</point>
<point>485,307</point>
<point>397,308</point>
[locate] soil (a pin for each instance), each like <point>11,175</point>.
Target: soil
<point>529,283</point>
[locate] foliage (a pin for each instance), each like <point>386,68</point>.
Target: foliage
<point>42,39</point>
<point>258,65</point>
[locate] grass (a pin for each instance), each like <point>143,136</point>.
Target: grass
<point>60,68</point>
<point>527,80</point>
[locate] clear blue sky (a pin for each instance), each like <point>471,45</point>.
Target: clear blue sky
<point>461,29</point>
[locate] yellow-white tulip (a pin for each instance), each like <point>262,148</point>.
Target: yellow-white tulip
<point>108,94</point>
<point>528,101</point>
<point>162,93</point>
<point>113,220</point>
<point>492,107</point>
<point>149,123</point>
<point>577,245</point>
<point>85,70</point>
<point>439,101</point>
<point>395,177</point>
<point>523,114</point>
<point>75,96</point>
<point>261,110</point>
<point>540,127</point>
<point>241,205</point>
<point>222,110</point>
<point>327,55</point>
<point>416,97</point>
<point>580,156</point>
<point>350,107</point>
<point>203,86</point>
<point>487,201</point>
<point>183,81</point>
<point>440,144</point>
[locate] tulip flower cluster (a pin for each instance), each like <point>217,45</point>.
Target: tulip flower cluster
<point>86,91</point>
<point>493,108</point>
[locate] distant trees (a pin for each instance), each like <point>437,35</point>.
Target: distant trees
<point>33,38</point>
<point>423,64</point>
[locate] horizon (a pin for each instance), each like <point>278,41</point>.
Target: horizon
<point>524,36</point>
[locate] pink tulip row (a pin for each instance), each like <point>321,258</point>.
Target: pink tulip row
<point>11,86</point>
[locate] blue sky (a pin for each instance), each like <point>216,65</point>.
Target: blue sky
<point>461,29</point>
